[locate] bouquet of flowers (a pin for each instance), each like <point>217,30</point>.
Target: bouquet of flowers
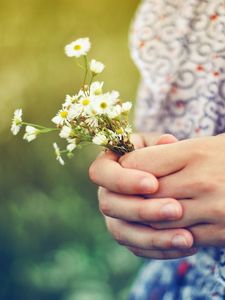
<point>89,116</point>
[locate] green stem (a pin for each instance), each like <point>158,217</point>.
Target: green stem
<point>63,151</point>
<point>80,66</point>
<point>92,77</point>
<point>40,127</point>
<point>46,130</point>
<point>86,69</point>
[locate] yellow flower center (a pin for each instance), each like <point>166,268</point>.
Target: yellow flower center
<point>77,47</point>
<point>64,114</point>
<point>86,102</point>
<point>103,105</point>
<point>119,131</point>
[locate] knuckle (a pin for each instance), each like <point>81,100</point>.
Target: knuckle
<point>118,237</point>
<point>104,205</point>
<point>150,242</point>
<point>201,151</point>
<point>129,160</point>
<point>202,183</point>
<point>119,184</point>
<point>143,212</point>
<point>93,172</point>
<point>217,210</point>
<point>209,186</point>
<point>115,230</point>
<point>160,243</point>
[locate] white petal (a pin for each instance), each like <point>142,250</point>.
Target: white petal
<point>31,129</point>
<point>57,120</point>
<point>15,129</point>
<point>96,66</point>
<point>126,107</point>
<point>65,132</point>
<point>71,147</point>
<point>100,139</point>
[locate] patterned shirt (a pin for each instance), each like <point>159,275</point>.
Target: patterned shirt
<point>179,48</point>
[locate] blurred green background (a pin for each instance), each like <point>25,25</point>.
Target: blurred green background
<point>53,241</point>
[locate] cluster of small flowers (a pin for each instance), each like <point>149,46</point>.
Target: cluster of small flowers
<point>90,116</point>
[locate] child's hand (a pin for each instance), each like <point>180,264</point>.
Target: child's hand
<point>193,172</point>
<point>120,203</point>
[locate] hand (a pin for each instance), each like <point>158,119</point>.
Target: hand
<point>192,171</point>
<point>120,203</point>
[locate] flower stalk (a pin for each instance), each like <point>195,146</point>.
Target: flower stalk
<point>91,116</point>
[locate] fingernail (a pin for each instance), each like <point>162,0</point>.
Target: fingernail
<point>147,185</point>
<point>170,211</point>
<point>179,241</point>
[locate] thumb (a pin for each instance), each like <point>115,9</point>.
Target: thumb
<point>159,160</point>
<point>166,139</point>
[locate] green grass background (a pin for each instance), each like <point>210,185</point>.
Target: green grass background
<point>53,241</point>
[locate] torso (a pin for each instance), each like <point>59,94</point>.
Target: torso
<point>179,48</point>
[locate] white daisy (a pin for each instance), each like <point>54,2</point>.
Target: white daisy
<point>70,100</point>
<point>78,48</point>
<point>61,117</point>
<point>100,139</point>
<point>86,104</point>
<point>58,154</point>
<point>74,112</point>
<point>115,112</point>
<point>96,67</point>
<point>16,121</point>
<point>66,132</point>
<point>96,88</point>
<point>103,103</point>
<point>126,107</point>
<point>114,95</point>
<point>72,145</point>
<point>31,133</point>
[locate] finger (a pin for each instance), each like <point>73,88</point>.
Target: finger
<point>208,235</point>
<point>178,185</point>
<point>159,160</point>
<point>137,140</point>
<point>150,139</point>
<point>166,139</point>
<point>144,237</point>
<point>107,172</point>
<point>142,140</point>
<point>194,212</point>
<point>136,209</point>
<point>162,255</point>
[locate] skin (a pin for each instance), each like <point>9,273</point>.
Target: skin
<point>128,214</point>
<point>190,176</point>
<point>193,172</point>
